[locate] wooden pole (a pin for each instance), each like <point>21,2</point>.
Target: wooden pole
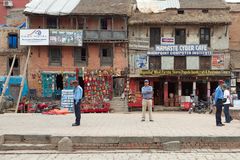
<point>7,81</point>
<point>23,78</point>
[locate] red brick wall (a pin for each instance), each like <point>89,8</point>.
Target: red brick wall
<point>4,10</point>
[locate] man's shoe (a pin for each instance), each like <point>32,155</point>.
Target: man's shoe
<point>151,120</point>
<point>220,125</point>
<point>143,120</point>
<point>74,124</point>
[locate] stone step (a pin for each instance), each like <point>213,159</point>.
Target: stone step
<point>27,147</point>
<point>27,139</point>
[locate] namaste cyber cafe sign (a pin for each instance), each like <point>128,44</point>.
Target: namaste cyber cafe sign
<point>185,72</point>
<point>181,50</point>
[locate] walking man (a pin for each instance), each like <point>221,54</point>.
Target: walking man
<point>78,92</point>
<point>219,103</point>
<point>147,95</point>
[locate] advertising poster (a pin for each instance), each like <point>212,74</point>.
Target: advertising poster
<point>141,61</point>
<point>218,61</point>
<point>34,37</point>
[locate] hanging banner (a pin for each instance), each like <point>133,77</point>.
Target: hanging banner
<point>181,50</point>
<point>34,37</point>
<point>218,61</point>
<point>66,37</point>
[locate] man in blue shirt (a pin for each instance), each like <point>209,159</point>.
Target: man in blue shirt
<point>78,93</point>
<point>147,95</point>
<point>219,103</point>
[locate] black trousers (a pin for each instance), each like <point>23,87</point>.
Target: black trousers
<point>219,106</point>
<point>228,117</point>
<point>77,111</point>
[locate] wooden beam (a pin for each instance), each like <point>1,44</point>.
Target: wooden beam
<point>23,78</point>
<point>6,82</point>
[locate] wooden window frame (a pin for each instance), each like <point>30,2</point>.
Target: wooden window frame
<point>181,40</point>
<point>155,59</point>
<point>203,66</point>
<point>50,57</point>
<point>77,61</point>
<point>103,61</point>
<point>176,66</point>
<point>202,40</point>
<point>153,40</point>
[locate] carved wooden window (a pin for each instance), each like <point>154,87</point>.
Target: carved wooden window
<point>205,63</point>
<point>80,56</point>
<point>205,36</point>
<point>179,62</point>
<point>55,56</point>
<point>180,36</point>
<point>154,62</point>
<point>155,36</point>
<point>106,55</point>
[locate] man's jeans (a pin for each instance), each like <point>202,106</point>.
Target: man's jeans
<point>77,111</point>
<point>228,117</point>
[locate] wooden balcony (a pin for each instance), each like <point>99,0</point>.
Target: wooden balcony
<point>104,35</point>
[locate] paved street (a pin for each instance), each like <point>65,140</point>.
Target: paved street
<point>127,155</point>
<point>165,124</point>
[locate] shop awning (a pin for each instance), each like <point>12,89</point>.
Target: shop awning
<point>51,7</point>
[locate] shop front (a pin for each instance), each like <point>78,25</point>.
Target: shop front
<point>172,88</point>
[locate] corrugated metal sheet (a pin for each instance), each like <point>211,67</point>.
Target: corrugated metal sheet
<point>156,6</point>
<point>51,7</point>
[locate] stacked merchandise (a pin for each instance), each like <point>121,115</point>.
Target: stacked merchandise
<point>98,89</point>
<point>67,99</point>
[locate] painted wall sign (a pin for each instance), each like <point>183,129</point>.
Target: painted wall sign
<point>186,72</point>
<point>181,50</point>
<point>218,61</point>
<point>34,37</point>
<point>167,40</point>
<point>66,37</point>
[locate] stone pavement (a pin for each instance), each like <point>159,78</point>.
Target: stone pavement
<point>125,155</point>
<point>117,124</point>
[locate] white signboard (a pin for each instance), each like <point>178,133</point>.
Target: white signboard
<point>67,99</point>
<point>167,40</point>
<point>181,50</point>
<point>34,37</point>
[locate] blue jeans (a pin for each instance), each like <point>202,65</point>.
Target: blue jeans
<point>77,111</point>
<point>228,117</point>
<point>219,105</point>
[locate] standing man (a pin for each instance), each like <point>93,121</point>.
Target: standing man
<point>147,95</point>
<point>219,103</point>
<point>78,93</point>
<point>228,117</point>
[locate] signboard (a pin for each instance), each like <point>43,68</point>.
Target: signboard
<point>66,37</point>
<point>139,43</point>
<point>218,61</point>
<point>167,40</point>
<point>181,50</point>
<point>67,99</point>
<point>186,72</point>
<point>34,37</point>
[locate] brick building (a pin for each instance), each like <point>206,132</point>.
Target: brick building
<point>103,51</point>
<point>182,50</point>
<point>7,6</point>
<point>234,45</point>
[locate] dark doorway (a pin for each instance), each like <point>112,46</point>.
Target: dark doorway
<point>201,90</point>
<point>118,86</point>
<point>81,83</point>
<point>172,88</point>
<point>187,88</point>
<point>59,82</point>
<point>213,86</point>
<point>158,93</point>
<point>16,66</point>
